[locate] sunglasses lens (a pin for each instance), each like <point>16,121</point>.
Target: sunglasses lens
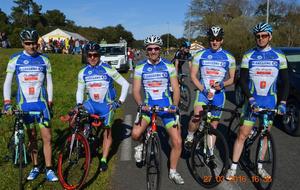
<point>29,43</point>
<point>155,49</point>
<point>90,55</point>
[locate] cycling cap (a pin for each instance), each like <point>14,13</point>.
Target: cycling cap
<point>29,35</point>
<point>186,44</point>
<point>153,40</point>
<point>92,46</point>
<point>262,27</point>
<point>215,31</point>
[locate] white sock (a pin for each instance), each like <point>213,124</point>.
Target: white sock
<point>191,134</point>
<point>259,165</point>
<point>172,171</point>
<point>233,166</point>
<point>211,151</point>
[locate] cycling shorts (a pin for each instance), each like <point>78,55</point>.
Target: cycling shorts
<point>249,118</point>
<point>39,106</point>
<point>101,109</point>
<point>218,100</point>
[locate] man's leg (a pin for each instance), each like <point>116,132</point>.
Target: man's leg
<point>107,141</point>
<point>136,133</point>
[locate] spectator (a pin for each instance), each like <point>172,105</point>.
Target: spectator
<point>130,58</point>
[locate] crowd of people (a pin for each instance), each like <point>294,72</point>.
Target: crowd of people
<point>157,77</point>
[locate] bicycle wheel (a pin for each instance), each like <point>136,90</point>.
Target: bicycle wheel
<point>267,160</point>
<point>201,160</point>
<point>185,97</point>
<point>74,161</point>
<point>153,162</point>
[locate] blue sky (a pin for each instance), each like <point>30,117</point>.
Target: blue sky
<point>137,16</point>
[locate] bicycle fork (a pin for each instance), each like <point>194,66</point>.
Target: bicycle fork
<point>19,143</point>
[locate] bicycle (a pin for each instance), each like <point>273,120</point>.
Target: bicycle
<point>185,93</point>
<point>75,154</point>
<point>17,142</point>
<point>208,168</point>
<point>263,139</point>
<point>151,153</point>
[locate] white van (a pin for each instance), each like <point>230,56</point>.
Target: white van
<point>115,55</point>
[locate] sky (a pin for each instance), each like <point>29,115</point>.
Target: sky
<point>141,17</point>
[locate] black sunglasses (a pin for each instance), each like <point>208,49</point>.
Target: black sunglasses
<point>156,49</point>
<point>30,43</point>
<point>263,36</point>
<point>218,39</point>
<point>90,55</point>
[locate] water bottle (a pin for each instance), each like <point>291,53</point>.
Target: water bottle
<point>253,132</point>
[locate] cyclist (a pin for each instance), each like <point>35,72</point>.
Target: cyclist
<point>214,64</point>
<point>33,69</point>
<point>155,76</point>
<point>183,55</point>
<point>97,78</point>
<point>260,69</point>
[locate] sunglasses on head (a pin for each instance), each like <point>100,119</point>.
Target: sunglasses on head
<point>263,36</point>
<point>218,39</point>
<point>30,43</point>
<point>156,49</point>
<point>90,55</point>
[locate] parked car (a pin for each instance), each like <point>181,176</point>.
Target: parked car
<point>290,122</point>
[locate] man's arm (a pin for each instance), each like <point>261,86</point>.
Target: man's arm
<point>176,64</point>
<point>49,87</point>
<point>136,89</point>
<point>176,91</point>
<point>7,87</point>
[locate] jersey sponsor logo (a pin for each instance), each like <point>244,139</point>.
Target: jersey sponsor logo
<point>96,96</point>
<point>30,77</point>
<point>149,69</point>
<point>25,62</point>
<point>97,77</point>
<point>31,90</point>
<point>155,75</point>
<point>209,57</point>
<point>212,72</point>
<point>95,85</point>
<point>259,57</point>
<point>263,84</point>
<point>213,63</point>
<point>264,72</point>
<point>90,72</point>
<point>264,63</point>
<point>155,84</point>
<point>31,68</point>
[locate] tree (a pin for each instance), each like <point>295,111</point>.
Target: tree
<point>169,40</point>
<point>55,18</point>
<point>4,22</point>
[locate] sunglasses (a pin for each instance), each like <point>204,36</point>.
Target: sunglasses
<point>30,43</point>
<point>95,55</point>
<point>217,39</point>
<point>263,36</point>
<point>155,49</point>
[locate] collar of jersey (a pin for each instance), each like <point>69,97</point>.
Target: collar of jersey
<point>152,63</point>
<point>25,53</point>
<point>220,49</point>
<point>98,64</point>
<point>268,48</point>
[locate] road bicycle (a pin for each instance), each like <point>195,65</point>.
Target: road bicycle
<point>75,154</point>
<point>259,147</point>
<point>17,142</point>
<point>185,93</point>
<point>151,153</point>
<point>209,163</point>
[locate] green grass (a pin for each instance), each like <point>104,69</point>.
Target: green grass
<point>65,69</point>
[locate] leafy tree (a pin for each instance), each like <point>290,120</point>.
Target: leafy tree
<point>4,22</point>
<point>55,18</point>
<point>169,40</point>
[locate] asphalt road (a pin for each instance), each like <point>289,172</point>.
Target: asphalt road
<point>127,176</point>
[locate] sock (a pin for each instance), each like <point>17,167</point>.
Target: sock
<point>36,166</point>
<point>49,168</point>
<point>259,165</point>
<point>233,166</point>
<point>211,151</point>
<point>103,159</point>
<point>172,171</point>
<point>191,134</point>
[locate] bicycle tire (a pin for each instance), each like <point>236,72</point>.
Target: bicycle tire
<point>269,163</point>
<point>153,162</point>
<point>205,175</point>
<point>73,172</point>
<point>185,97</point>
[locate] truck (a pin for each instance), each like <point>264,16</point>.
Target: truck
<point>116,55</point>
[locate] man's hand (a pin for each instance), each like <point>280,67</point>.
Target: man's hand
<point>253,104</point>
<point>174,108</point>
<point>116,104</point>
<point>8,108</point>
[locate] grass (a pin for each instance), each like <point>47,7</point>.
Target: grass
<point>65,69</point>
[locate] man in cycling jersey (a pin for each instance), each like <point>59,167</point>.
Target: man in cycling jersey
<point>33,69</point>
<point>183,55</point>
<point>260,69</point>
<point>98,78</point>
<point>155,76</point>
<point>214,64</point>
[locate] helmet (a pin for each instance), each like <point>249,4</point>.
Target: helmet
<point>29,35</point>
<point>262,27</point>
<point>153,40</point>
<point>186,44</point>
<point>215,31</point>
<point>92,46</point>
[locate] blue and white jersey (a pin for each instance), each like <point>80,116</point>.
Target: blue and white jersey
<point>264,66</point>
<point>155,79</point>
<point>30,75</point>
<point>98,81</point>
<point>213,65</point>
